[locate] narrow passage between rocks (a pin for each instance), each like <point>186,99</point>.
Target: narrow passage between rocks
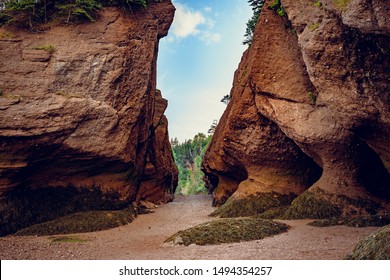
<point>144,239</point>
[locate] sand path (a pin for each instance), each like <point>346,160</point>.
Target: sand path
<point>144,240</point>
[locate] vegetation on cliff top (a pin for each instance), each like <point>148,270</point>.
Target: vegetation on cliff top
<point>228,231</point>
<point>29,13</point>
<point>257,6</point>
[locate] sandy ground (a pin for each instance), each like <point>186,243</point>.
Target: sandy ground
<point>144,240</point>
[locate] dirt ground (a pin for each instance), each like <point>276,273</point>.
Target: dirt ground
<point>144,240</point>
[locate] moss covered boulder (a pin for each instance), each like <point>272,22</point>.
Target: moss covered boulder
<point>376,246</point>
<point>252,205</point>
<point>228,231</point>
<point>319,204</point>
<point>82,222</point>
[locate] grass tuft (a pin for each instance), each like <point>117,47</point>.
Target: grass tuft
<point>313,27</point>
<point>228,231</point>
<point>341,4</point>
<point>48,48</point>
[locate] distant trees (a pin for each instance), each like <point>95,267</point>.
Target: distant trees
<point>188,157</point>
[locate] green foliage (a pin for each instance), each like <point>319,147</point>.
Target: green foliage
<point>31,12</point>
<point>21,5</point>
<point>256,5</point>
<point>314,26</point>
<point>24,8</point>
<point>341,4</point>
<point>317,4</point>
<point>188,157</point>
<point>48,48</point>
<point>312,98</point>
<point>278,8</point>
<point>228,231</point>
<point>80,9</point>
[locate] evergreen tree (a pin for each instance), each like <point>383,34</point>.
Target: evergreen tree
<point>256,5</point>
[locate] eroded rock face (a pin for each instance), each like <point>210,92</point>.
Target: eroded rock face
<point>312,90</point>
<point>78,111</point>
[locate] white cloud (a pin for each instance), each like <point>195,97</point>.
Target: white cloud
<point>208,9</point>
<point>190,22</point>
<point>210,38</point>
<point>186,22</point>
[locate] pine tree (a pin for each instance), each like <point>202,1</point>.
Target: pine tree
<point>257,6</point>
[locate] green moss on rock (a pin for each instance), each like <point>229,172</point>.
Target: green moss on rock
<point>82,222</point>
<point>313,205</point>
<point>23,208</point>
<point>274,213</point>
<point>252,205</point>
<point>376,246</point>
<point>360,221</point>
<point>228,231</point>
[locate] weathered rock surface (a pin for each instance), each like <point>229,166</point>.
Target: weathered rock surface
<point>312,90</point>
<point>78,113</point>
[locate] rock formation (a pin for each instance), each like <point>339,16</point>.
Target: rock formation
<point>310,94</point>
<point>81,121</point>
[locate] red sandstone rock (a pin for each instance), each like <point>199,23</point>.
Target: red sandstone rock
<point>312,85</point>
<point>81,116</point>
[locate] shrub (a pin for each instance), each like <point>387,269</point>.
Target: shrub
<point>314,26</point>
<point>30,12</point>
<point>278,8</point>
<point>312,97</point>
<point>317,4</point>
<point>48,48</point>
<point>341,4</point>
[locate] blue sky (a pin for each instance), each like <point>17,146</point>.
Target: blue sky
<point>197,61</point>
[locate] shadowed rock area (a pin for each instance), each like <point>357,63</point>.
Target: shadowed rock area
<point>82,125</point>
<point>309,114</point>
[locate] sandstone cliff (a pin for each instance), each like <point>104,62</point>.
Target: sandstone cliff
<point>82,124</point>
<point>309,114</point>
